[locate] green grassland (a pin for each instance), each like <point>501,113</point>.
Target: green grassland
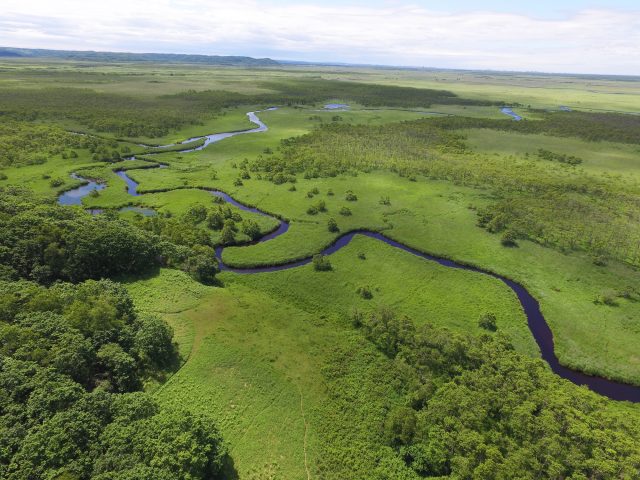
<point>295,389</point>
<point>258,348</point>
<point>605,158</point>
<point>538,91</point>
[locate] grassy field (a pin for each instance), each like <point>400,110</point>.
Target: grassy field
<point>601,158</point>
<point>257,350</point>
<point>295,389</point>
<point>538,91</point>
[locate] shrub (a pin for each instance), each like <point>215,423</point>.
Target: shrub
<point>509,239</point>
<point>400,426</point>
<point>350,196</point>
<point>345,211</point>
<point>357,318</point>
<point>228,235</point>
<point>251,229</point>
<point>56,182</point>
<point>488,322</point>
<point>317,207</point>
<point>321,263</point>
<point>362,256</point>
<point>600,260</point>
<point>332,225</point>
<point>215,220</point>
<point>195,214</point>
<point>365,292</point>
<point>607,297</point>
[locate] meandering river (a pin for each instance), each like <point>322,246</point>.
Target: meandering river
<point>536,321</point>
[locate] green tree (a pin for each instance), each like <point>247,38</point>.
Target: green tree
<point>215,219</point>
<point>250,228</point>
<point>488,322</point>
<point>120,368</point>
<point>153,342</point>
<point>202,264</point>
<point>228,235</point>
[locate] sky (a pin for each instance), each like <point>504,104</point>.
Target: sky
<point>568,36</point>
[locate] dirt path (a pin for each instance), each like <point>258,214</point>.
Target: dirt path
<point>306,428</point>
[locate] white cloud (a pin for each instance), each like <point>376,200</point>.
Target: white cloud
<point>594,41</point>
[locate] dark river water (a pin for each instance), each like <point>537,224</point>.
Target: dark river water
<point>535,320</point>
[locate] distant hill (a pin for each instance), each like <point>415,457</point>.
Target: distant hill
<point>135,57</point>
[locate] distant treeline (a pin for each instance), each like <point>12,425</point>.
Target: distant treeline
<point>613,127</point>
<point>118,115</point>
<point>136,57</point>
<point>371,95</point>
<point>23,143</point>
<point>125,116</point>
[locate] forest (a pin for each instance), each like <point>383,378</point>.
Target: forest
<point>74,360</point>
<point>474,408</point>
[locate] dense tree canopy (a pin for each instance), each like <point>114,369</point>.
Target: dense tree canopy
<point>474,408</point>
<point>46,242</point>
<point>69,356</point>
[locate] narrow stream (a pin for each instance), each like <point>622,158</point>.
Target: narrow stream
<point>509,111</point>
<point>535,319</point>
